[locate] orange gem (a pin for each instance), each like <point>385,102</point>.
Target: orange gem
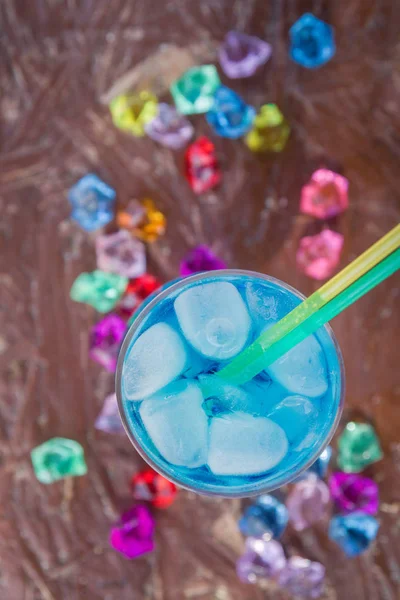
<point>142,219</point>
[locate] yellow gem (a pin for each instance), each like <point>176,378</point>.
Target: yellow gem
<point>131,112</point>
<point>270,130</point>
<point>143,220</point>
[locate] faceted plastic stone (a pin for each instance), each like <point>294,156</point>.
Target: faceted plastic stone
<point>99,289</point>
<point>307,502</point>
<point>270,130</point>
<point>194,92</point>
<point>153,487</point>
<point>325,195</point>
<point>142,219</point>
<point>230,116</point>
<point>303,578</point>
<point>58,458</point>
<point>109,419</point>
<point>354,533</point>
<point>240,55</point>
<point>267,517</point>
<point>353,493</point>
<point>201,166</point>
<point>262,559</point>
<point>121,253</point>
<point>131,112</point>
<point>133,535</point>
<point>92,202</point>
<point>358,447</point>
<point>312,42</point>
<point>170,128</point>
<point>137,290</point>
<point>320,466</point>
<point>200,259</point>
<point>106,340</point>
<point>318,255</point>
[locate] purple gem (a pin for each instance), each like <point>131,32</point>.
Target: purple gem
<point>262,559</point>
<point>121,253</point>
<point>353,492</point>
<point>307,502</point>
<point>169,127</point>
<point>109,419</point>
<point>200,259</point>
<point>240,55</point>
<point>133,534</point>
<point>302,577</point>
<point>106,339</point>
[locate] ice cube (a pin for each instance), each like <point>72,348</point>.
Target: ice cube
<point>177,424</point>
<point>241,444</point>
<point>262,302</point>
<point>214,319</point>
<point>222,397</point>
<point>296,415</point>
<point>302,370</point>
<point>157,357</point>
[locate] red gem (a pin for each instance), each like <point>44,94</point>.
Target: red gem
<point>201,166</point>
<point>136,291</point>
<point>153,487</point>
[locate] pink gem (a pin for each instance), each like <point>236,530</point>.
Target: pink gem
<point>133,534</point>
<point>307,502</point>
<point>326,195</point>
<point>106,339</point>
<point>121,253</point>
<point>353,492</point>
<point>109,419</point>
<point>318,255</point>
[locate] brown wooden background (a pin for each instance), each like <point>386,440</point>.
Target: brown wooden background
<point>57,59</point>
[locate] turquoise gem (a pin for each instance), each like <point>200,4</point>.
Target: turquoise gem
<point>194,92</point>
<point>358,447</point>
<point>99,289</point>
<point>58,458</point>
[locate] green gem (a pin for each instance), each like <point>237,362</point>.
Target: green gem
<point>99,289</point>
<point>194,92</point>
<point>270,130</point>
<point>358,447</point>
<point>58,458</point>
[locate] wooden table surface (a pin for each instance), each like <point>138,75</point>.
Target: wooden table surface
<point>58,62</point>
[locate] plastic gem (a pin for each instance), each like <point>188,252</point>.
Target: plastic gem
<point>267,516</point>
<point>58,458</point>
<point>137,290</point>
<point>106,339</point>
<point>133,534</point>
<point>303,578</point>
<point>109,419</point>
<point>240,55</point>
<point>270,130</point>
<point>121,253</point>
<point>318,255</point>
<point>131,112</point>
<point>92,202</point>
<point>230,116</point>
<point>358,447</point>
<point>312,42</point>
<point>170,128</point>
<point>194,92</point>
<point>353,493</point>
<point>201,166</point>
<point>353,533</point>
<point>200,259</point>
<point>99,289</point>
<point>262,559</point>
<point>307,502</point>
<point>325,195</point>
<point>142,219</point>
<point>153,487</point>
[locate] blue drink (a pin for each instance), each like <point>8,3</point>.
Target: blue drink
<point>202,432</point>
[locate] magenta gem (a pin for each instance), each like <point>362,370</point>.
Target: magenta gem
<point>133,534</point>
<point>318,255</point>
<point>352,492</point>
<point>325,195</point>
<point>169,127</point>
<point>302,577</point>
<point>307,502</point>
<point>106,339</point>
<point>240,55</point>
<point>262,559</point>
<point>109,419</point>
<point>121,253</point>
<point>200,259</point>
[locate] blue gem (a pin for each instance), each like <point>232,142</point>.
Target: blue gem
<point>92,202</point>
<point>266,516</point>
<point>230,116</point>
<point>312,41</point>
<point>320,466</point>
<point>353,533</point>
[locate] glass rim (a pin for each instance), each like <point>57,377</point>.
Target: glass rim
<point>118,387</point>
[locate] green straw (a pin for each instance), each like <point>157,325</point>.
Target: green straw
<point>260,354</point>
